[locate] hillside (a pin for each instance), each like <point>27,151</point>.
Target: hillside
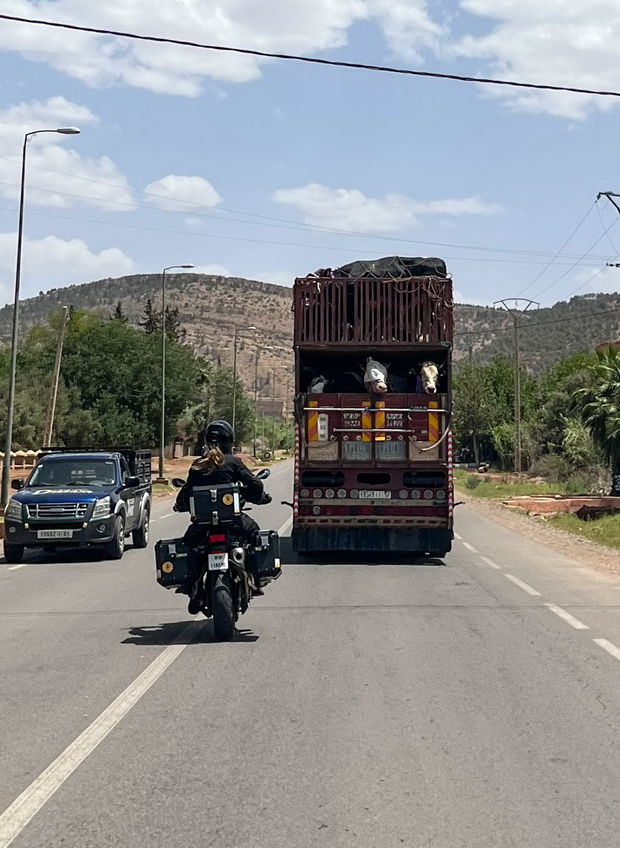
<point>210,308</point>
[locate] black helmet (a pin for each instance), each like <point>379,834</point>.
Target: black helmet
<point>220,433</point>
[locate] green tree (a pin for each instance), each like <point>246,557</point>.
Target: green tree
<point>118,314</point>
<point>599,405</point>
<point>151,319</point>
<point>473,411</point>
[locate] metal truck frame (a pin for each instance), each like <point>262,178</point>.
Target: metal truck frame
<point>373,472</point>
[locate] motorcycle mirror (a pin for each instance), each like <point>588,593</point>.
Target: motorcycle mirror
<point>263,474</point>
<point>178,483</point>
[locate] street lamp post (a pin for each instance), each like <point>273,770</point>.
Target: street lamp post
<point>6,466</point>
<point>234,397</point>
<point>162,433</point>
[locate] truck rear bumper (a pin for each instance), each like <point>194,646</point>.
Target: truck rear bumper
<point>415,540</point>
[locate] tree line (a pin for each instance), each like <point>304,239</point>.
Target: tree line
<point>570,418</point>
<point>110,383</point>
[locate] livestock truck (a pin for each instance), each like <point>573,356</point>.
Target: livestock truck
<point>374,471</point>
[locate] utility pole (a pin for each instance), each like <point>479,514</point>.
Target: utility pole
<point>51,409</point>
<point>256,399</point>
<point>273,413</point>
<point>516,307</point>
<point>471,354</point>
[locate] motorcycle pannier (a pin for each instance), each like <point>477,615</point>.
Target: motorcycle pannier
<point>264,559</point>
<point>215,504</point>
<point>174,562</point>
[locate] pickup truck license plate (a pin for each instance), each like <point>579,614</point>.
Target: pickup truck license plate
<point>374,496</point>
<point>218,562</point>
<point>54,534</point>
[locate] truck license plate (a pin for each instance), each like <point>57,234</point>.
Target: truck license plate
<point>218,562</point>
<point>54,534</point>
<point>374,496</point>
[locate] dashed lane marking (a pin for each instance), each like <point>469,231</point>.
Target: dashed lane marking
<point>609,647</point>
<point>490,563</point>
<point>470,547</point>
<point>567,617</point>
<point>520,583</point>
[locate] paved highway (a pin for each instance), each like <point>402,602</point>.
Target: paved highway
<point>469,703</point>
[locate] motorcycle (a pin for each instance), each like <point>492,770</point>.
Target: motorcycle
<point>216,565</point>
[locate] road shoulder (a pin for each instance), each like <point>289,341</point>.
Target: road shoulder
<point>575,547</point>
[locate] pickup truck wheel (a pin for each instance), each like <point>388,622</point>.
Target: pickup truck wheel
<point>141,535</point>
<point>116,547</point>
<point>13,554</point>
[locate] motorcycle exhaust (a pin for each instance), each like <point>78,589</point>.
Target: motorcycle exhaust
<point>237,556</point>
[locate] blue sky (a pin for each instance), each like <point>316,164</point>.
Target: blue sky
<point>247,168</point>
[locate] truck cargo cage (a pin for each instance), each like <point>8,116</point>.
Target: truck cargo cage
<point>373,312</point>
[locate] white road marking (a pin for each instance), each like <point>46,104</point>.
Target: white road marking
<point>526,587</point>
<point>470,547</point>
<point>609,647</point>
<point>568,618</point>
<point>161,517</point>
<point>490,563</point>
<point>15,818</point>
<point>456,536</point>
<point>286,527</point>
<point>15,567</point>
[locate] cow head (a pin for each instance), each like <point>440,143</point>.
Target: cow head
<point>317,386</point>
<point>375,377</point>
<point>429,374</point>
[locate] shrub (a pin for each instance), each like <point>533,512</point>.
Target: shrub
<point>473,481</point>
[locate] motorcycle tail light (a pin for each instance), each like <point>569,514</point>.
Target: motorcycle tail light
<point>214,539</point>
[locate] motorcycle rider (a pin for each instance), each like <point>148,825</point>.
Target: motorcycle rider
<point>219,465</point>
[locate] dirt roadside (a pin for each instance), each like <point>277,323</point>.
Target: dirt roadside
<point>575,547</point>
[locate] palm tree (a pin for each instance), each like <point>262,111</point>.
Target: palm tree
<point>599,405</point>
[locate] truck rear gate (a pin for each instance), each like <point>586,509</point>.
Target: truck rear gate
<point>373,472</point>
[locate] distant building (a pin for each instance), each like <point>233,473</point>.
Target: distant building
<point>271,408</point>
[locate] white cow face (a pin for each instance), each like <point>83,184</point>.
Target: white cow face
<point>317,386</point>
<point>375,378</point>
<point>429,374</point>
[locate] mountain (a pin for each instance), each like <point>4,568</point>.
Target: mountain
<point>211,308</point>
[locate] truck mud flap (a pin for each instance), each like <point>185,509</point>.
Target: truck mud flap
<point>434,541</point>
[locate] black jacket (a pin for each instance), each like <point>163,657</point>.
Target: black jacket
<point>232,471</point>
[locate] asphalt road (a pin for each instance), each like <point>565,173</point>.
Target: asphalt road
<point>458,704</point>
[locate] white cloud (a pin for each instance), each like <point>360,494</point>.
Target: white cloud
<point>52,262</point>
<point>277,278</point>
<point>55,170</point>
<point>214,270</point>
<point>565,42</point>
<point>350,209</point>
<point>589,280</point>
<point>279,25</point>
<point>407,26</point>
<point>181,194</point>
<point>290,26</point>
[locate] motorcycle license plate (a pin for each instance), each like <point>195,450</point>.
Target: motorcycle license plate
<point>218,562</point>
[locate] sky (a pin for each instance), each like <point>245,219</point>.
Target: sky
<point>271,169</point>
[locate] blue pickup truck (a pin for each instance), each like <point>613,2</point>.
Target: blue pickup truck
<point>76,498</point>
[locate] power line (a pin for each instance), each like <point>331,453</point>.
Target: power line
<point>539,323</point>
<point>578,262</point>
<point>256,241</point>
<point>312,59</point>
<point>535,280</point>
<point>294,225</point>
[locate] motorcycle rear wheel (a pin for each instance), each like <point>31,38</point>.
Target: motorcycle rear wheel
<point>222,607</point>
